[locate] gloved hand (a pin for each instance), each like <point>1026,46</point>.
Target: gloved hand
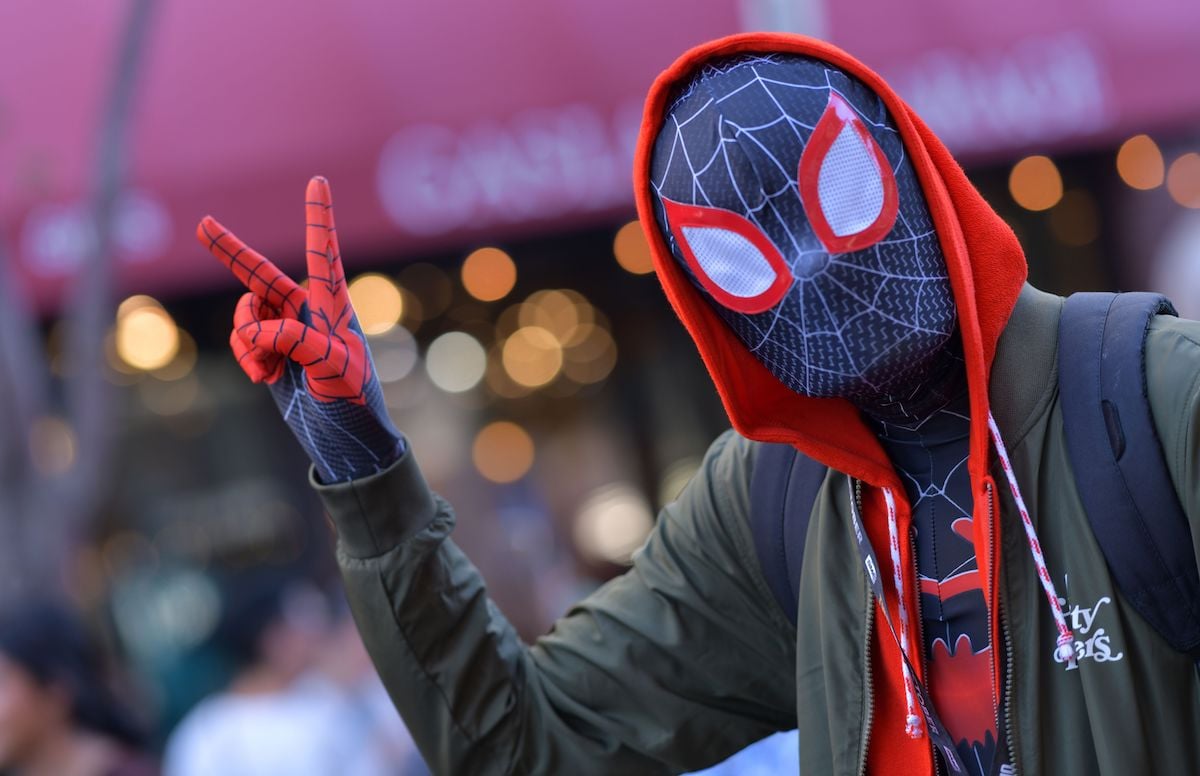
<point>308,347</point>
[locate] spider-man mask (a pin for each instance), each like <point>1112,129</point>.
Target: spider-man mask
<point>783,188</point>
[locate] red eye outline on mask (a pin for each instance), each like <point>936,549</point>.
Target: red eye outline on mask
<point>837,118</point>
<point>760,265</point>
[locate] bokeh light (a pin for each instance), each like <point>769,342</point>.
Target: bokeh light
<point>503,452</point>
<point>592,357</point>
<point>52,445</point>
<point>532,356</point>
<point>146,336</point>
<point>395,354</point>
<point>455,362</point>
<point>136,302</point>
<point>555,310</point>
<point>632,250</point>
<point>489,274</point>
<point>585,315</point>
<point>588,352</point>
<point>1183,180</point>
<point>1035,183</point>
<point>118,373</point>
<point>1075,220</point>
<point>612,522</point>
<point>1140,163</point>
<point>184,362</point>
<point>498,381</point>
<point>377,302</point>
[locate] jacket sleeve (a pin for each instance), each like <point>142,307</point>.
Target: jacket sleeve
<point>1173,383</point>
<point>670,667</point>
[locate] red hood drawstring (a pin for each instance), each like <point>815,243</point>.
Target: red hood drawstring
<point>1066,639</point>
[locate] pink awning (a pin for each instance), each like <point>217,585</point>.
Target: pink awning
<point>444,124</point>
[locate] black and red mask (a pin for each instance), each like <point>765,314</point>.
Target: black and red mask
<point>782,186</point>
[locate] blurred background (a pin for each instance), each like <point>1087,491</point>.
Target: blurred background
<point>480,158</point>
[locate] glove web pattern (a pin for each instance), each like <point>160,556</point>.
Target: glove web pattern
<point>309,348</point>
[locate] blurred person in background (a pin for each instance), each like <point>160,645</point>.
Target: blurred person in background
<point>854,298</point>
<point>270,629</point>
<point>302,700</point>
<point>57,715</point>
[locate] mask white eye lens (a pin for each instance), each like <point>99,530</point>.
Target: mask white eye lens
<point>733,260</point>
<point>730,260</point>
<point>846,183</point>
<point>849,185</point>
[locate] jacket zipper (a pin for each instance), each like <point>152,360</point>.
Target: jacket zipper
<point>1010,742</point>
<point>1004,706</point>
<point>991,516</point>
<point>870,680</point>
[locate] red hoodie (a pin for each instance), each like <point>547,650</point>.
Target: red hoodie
<point>987,270</point>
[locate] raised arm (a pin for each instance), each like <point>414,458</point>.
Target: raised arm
<point>671,667</point>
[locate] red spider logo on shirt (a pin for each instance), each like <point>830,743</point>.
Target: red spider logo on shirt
<point>965,706</point>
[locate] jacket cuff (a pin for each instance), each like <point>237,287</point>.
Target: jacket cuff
<point>373,514</point>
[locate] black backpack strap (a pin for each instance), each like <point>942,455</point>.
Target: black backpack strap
<point>783,490</point>
<point>1120,471</point>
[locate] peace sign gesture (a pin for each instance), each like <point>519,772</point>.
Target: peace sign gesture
<point>308,347</point>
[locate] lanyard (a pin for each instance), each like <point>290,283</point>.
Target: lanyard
<point>937,732</point>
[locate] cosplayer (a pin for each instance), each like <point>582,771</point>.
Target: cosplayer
<point>856,300</point>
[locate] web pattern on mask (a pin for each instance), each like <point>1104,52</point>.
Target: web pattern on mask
<point>857,325</point>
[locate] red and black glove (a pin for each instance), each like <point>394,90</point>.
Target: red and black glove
<point>308,348</point>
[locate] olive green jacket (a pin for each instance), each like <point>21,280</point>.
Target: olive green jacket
<point>687,658</point>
